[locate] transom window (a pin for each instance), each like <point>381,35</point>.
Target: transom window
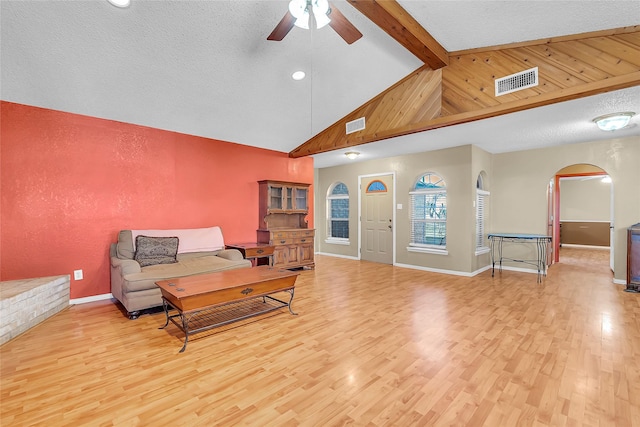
<point>428,212</point>
<point>338,212</point>
<point>376,186</point>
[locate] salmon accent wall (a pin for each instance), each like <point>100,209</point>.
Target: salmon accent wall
<point>69,183</point>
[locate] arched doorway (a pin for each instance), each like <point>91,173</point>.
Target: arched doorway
<point>589,219</point>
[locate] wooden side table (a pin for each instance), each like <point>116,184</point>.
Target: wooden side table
<point>255,252</point>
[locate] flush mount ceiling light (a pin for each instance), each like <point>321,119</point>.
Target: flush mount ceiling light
<point>300,10</point>
<point>352,154</point>
<point>120,3</point>
<point>298,75</point>
<point>615,121</point>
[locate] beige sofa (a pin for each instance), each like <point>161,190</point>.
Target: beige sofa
<point>199,251</point>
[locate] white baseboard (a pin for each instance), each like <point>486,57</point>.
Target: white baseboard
<point>619,281</point>
<point>519,269</point>
<point>464,273</point>
<point>481,270</point>
<point>571,245</point>
<point>338,256</point>
<point>442,271</point>
<point>92,298</point>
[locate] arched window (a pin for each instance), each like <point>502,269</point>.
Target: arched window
<point>338,212</point>
<point>482,197</point>
<point>428,212</point>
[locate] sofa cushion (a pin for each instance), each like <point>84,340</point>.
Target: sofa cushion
<point>208,239</point>
<point>191,239</point>
<point>124,246</point>
<point>156,250</point>
<point>147,276</point>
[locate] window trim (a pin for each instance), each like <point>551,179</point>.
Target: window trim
<point>422,247</point>
<point>481,249</point>
<point>337,241</point>
<point>330,197</point>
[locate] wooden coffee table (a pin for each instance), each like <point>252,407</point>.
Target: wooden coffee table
<point>207,301</point>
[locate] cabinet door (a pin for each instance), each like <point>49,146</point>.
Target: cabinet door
<point>288,198</point>
<point>301,197</point>
<point>280,256</point>
<point>276,195</point>
<point>292,254</point>
<point>305,253</point>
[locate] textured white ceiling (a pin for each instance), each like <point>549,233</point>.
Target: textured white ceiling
<point>205,68</point>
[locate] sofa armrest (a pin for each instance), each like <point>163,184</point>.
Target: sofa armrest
<point>126,266</point>
<point>231,254</point>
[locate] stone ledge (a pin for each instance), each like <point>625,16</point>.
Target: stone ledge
<point>28,302</point>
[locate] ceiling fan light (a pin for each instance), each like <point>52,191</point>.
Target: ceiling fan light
<point>302,22</point>
<point>615,121</point>
<point>298,8</point>
<point>320,12</point>
<point>321,19</point>
<point>321,6</point>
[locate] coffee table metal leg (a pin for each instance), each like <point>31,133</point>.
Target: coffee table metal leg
<point>290,301</point>
<point>185,328</point>
<point>165,307</point>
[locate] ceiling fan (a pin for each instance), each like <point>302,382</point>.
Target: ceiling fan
<point>299,15</point>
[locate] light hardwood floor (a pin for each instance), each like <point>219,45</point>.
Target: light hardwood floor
<point>372,345</point>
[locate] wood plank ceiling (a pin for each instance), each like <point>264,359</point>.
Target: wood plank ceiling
<point>458,87</point>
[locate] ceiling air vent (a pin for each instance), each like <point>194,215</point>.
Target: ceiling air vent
<point>355,125</point>
<point>518,81</point>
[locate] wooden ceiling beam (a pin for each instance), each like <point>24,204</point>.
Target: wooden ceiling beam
<point>569,68</point>
<point>399,24</point>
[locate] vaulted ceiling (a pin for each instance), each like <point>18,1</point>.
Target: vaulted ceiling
<point>422,74</point>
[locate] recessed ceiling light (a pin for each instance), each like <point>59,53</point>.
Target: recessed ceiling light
<point>298,75</point>
<point>120,3</point>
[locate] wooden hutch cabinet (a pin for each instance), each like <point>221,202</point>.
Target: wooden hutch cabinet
<point>633,258</point>
<point>283,209</point>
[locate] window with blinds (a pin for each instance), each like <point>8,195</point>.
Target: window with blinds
<point>481,207</point>
<point>338,212</point>
<point>428,212</point>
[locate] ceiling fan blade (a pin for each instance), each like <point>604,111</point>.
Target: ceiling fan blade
<point>283,27</point>
<point>342,26</point>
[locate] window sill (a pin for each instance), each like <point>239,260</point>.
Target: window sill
<point>337,241</point>
<point>427,250</point>
<point>482,250</point>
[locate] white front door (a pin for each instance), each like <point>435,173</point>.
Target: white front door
<point>376,220</point>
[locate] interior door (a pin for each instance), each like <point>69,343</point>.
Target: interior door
<point>376,219</point>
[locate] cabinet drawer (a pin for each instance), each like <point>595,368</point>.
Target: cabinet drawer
<point>303,240</point>
<point>276,235</point>
<point>280,242</point>
<point>258,252</point>
<point>291,234</point>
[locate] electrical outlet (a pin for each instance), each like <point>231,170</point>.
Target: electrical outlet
<point>77,274</point>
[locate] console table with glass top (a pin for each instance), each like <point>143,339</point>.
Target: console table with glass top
<point>541,241</point>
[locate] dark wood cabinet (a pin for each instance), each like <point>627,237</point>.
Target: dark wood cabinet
<point>633,258</point>
<point>283,209</point>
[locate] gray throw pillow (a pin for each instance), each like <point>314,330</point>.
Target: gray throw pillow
<point>156,250</point>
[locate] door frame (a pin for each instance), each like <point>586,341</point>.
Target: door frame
<point>556,211</point>
<point>393,213</point>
